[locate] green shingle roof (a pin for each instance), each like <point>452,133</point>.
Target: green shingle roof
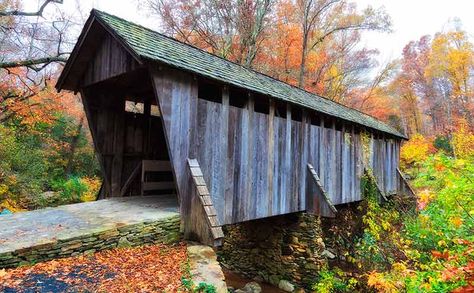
<point>152,45</point>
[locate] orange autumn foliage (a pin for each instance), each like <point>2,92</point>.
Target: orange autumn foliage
<point>155,268</point>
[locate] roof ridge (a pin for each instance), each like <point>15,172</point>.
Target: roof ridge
<point>101,13</point>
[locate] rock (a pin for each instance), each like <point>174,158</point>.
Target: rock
<point>311,266</point>
<point>328,254</point>
<point>204,267</point>
<point>123,242</point>
<point>286,286</point>
<point>274,280</point>
<point>89,252</point>
<point>294,240</point>
<point>252,287</point>
<point>48,194</point>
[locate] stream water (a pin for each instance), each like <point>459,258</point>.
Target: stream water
<point>5,212</point>
<point>237,281</point>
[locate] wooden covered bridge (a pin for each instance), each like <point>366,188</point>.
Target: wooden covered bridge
<point>232,144</point>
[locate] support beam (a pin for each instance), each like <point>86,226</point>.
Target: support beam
<point>404,187</point>
<point>314,204</point>
<point>130,179</point>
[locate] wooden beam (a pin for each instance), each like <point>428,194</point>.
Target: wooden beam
<point>316,180</point>
<point>156,166</point>
<point>405,183</point>
<point>105,188</point>
<point>129,181</point>
<point>163,185</point>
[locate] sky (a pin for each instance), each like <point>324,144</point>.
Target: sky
<point>411,19</point>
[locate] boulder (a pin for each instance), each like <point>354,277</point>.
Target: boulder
<point>252,287</point>
<point>286,286</point>
<point>328,254</point>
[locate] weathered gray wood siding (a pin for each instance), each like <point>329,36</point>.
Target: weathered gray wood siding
<point>110,59</point>
<point>384,162</point>
<point>255,164</point>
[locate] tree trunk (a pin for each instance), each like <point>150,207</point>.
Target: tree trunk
<point>302,65</point>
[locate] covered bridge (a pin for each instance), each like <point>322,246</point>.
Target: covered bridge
<point>230,143</point>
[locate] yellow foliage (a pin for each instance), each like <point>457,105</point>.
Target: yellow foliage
<point>93,186</point>
<point>380,283</point>
<point>11,207</point>
<point>463,142</point>
<point>456,221</point>
<point>415,151</point>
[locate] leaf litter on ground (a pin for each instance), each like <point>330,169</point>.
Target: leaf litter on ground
<point>153,268</point>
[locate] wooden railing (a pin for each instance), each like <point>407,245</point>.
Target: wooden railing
<point>146,166</point>
<point>201,223</point>
<point>403,187</point>
<point>319,202</point>
<point>155,166</point>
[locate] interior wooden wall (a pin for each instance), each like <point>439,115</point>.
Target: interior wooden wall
<point>255,164</point>
<point>122,139</point>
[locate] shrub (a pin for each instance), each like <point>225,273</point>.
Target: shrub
<point>463,142</point>
<point>442,143</point>
<point>37,158</point>
<point>415,151</point>
<point>73,190</point>
<point>438,241</point>
<point>334,281</point>
<point>93,186</point>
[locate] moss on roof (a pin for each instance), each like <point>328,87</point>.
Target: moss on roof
<point>152,45</point>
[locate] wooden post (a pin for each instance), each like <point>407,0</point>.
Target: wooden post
<point>146,129</point>
<point>118,146</point>
<point>93,129</point>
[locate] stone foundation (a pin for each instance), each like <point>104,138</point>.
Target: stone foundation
<point>164,230</point>
<point>280,248</point>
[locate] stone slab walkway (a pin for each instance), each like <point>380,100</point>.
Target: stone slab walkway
<point>204,267</point>
<point>100,220</point>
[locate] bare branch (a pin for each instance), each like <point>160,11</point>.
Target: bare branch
<point>39,12</point>
<point>32,62</point>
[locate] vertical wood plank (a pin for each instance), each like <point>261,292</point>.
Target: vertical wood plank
<point>224,157</point>
<point>304,153</point>
<point>270,152</point>
<point>322,152</point>
<point>251,200</point>
<point>286,187</point>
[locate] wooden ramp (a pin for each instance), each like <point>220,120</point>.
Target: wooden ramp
<point>200,216</point>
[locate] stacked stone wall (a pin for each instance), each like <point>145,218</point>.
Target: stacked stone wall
<point>276,250</point>
<point>160,231</point>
